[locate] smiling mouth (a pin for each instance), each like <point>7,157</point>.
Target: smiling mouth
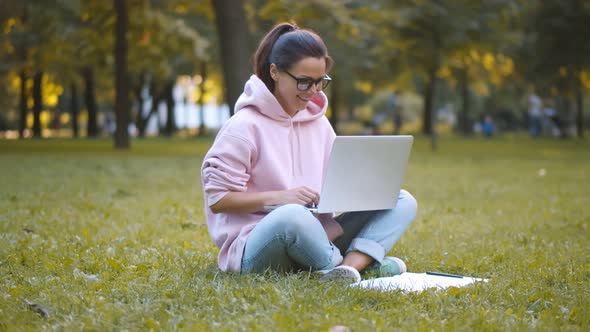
<point>305,100</point>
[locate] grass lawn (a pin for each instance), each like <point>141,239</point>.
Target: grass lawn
<point>107,240</point>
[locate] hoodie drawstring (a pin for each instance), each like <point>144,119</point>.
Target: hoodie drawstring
<point>300,152</point>
<point>296,151</point>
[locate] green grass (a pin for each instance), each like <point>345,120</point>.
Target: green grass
<point>108,240</point>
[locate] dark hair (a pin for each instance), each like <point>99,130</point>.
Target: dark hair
<point>284,46</point>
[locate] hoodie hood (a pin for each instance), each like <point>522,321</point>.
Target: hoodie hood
<point>257,96</point>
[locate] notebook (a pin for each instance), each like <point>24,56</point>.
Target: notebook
<point>364,173</point>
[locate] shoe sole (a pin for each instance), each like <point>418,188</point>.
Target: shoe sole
<point>342,273</point>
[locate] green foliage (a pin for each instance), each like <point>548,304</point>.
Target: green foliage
<point>378,45</point>
<point>345,28</point>
<point>105,240</point>
<point>557,43</point>
<point>164,44</point>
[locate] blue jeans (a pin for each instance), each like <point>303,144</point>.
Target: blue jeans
<point>291,238</point>
<point>535,126</point>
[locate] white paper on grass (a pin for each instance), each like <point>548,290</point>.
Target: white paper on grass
<point>415,282</point>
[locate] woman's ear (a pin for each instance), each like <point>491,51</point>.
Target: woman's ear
<point>274,72</point>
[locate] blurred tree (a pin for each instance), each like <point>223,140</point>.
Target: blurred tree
<point>558,39</point>
<point>6,48</point>
<point>341,28</point>
<point>92,52</point>
<point>421,30</point>
<point>201,101</point>
<point>472,62</point>
<point>167,42</point>
<point>37,42</point>
<point>30,38</point>
<point>74,108</point>
<point>90,100</point>
<point>234,42</point>
<point>204,21</point>
<point>434,34</point>
<point>82,50</point>
<point>37,102</point>
<point>121,79</point>
<point>15,52</point>
<point>377,46</point>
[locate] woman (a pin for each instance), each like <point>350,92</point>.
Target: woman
<point>274,151</point>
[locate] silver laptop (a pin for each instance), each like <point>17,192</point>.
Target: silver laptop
<point>364,173</point>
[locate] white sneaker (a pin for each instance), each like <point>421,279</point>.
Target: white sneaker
<point>341,273</point>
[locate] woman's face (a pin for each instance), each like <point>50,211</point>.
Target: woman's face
<point>286,90</point>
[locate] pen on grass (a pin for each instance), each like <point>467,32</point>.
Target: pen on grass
<point>440,274</point>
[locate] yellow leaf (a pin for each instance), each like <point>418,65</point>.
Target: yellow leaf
<point>152,324</point>
<point>444,72</point>
<point>454,291</point>
<point>585,78</point>
<point>563,72</point>
<point>11,22</point>
<point>474,55</point>
<point>488,61</point>
<point>64,118</point>
<point>507,67</point>
<point>14,291</point>
<point>365,86</point>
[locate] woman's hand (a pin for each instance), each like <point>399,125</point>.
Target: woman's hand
<point>301,195</point>
<point>246,202</point>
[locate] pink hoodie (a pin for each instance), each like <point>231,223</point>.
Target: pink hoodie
<point>262,148</point>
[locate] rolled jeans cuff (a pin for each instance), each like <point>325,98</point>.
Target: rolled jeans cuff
<point>367,247</point>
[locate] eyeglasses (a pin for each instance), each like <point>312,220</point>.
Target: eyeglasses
<point>304,84</point>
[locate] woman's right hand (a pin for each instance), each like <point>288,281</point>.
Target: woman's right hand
<point>246,202</point>
<point>301,195</point>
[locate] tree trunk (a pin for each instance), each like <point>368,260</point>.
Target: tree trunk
<point>170,127</point>
<point>579,106</point>
<point>37,103</point>
<point>90,101</point>
<point>24,110</point>
<point>232,29</point>
<point>121,85</point>
<point>142,129</point>
<point>139,119</point>
<point>156,99</point>
<point>464,123</point>
<point>429,93</point>
<point>335,104</point>
<point>23,53</point>
<point>74,109</point>
<point>202,129</point>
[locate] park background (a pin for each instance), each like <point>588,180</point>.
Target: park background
<point>107,109</point>
<point>73,68</point>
